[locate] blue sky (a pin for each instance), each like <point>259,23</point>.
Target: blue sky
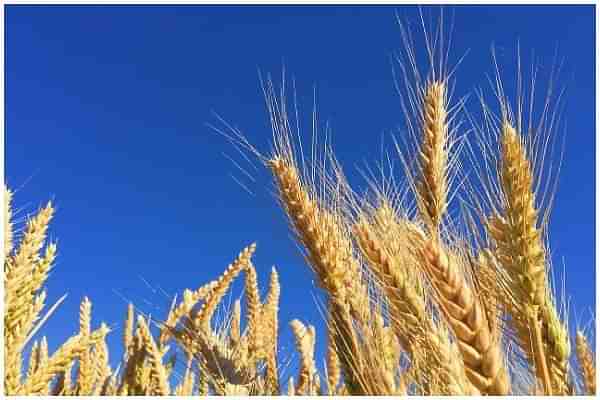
<point>106,112</point>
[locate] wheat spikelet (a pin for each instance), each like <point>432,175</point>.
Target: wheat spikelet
<point>587,365</point>
<point>235,324</point>
<point>327,253</point>
<point>33,359</point>
<point>526,257</point>
<point>556,340</point>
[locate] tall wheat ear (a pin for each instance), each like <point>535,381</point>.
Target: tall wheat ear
<point>329,251</point>
<point>85,372</point>
<point>482,357</point>
<point>270,332</point>
<point>520,251</point>
<point>432,182</point>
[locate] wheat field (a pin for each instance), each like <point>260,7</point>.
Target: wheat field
<point>422,297</point>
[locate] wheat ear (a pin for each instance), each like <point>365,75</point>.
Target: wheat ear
<point>214,296</point>
<point>408,309</point>
<point>305,344</point>
<point>432,185</point>
<point>270,320</point>
<point>587,366</point>
<point>33,359</point>
<point>102,370</point>
<point>520,250</point>
<point>253,311</point>
<point>61,360</point>
<point>25,271</point>
<point>190,299</point>
<point>409,318</point>
<point>482,356</point>
<point>159,380</point>
<point>85,375</point>
<point>328,254</point>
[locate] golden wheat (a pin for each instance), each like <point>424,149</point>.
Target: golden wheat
<point>414,307</point>
<point>587,365</point>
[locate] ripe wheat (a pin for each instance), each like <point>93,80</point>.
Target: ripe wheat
<point>412,305</point>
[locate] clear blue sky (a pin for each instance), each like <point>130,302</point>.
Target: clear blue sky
<point>106,110</point>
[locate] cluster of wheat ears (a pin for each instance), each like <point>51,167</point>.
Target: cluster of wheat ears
<point>414,305</point>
